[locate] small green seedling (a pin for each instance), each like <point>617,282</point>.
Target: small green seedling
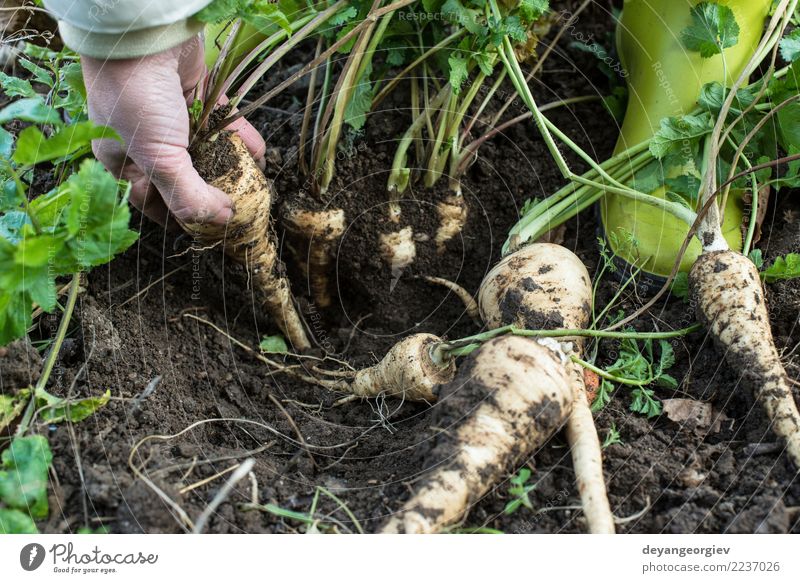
<point>519,489</point>
<point>612,437</point>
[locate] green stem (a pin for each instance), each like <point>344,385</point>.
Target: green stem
<point>52,356</point>
<point>474,341</point>
<point>608,376</point>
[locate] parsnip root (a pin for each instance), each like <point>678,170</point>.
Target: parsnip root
<point>729,298</point>
<point>515,394</point>
<point>453,213</point>
<point>539,287</point>
<point>248,239</point>
<point>316,233</point>
<point>410,370</point>
<point>398,251</point>
<point>543,286</point>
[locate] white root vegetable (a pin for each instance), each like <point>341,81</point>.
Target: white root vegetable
<point>515,394</point>
<point>545,286</point>
<point>317,233</point>
<point>398,248</point>
<point>412,369</point>
<point>729,298</point>
<point>248,240</point>
<point>398,251</point>
<point>541,286</point>
<point>453,213</point>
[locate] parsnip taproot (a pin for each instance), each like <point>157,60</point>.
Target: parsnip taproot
<point>729,299</point>
<point>247,237</point>
<point>317,232</point>
<point>507,399</point>
<point>544,286</point>
<point>412,369</point>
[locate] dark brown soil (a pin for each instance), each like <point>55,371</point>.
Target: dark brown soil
<point>169,373</point>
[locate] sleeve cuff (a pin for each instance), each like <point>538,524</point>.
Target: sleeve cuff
<point>131,44</point>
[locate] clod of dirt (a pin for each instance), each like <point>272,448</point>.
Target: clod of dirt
<point>99,332</point>
<point>20,365</point>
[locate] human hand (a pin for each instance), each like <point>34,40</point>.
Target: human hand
<point>146,101</point>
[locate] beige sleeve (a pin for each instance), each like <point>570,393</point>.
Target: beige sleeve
<point>120,29</point>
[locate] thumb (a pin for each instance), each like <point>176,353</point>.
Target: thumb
<point>189,198</point>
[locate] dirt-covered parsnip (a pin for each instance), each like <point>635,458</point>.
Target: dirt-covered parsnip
<point>729,299</point>
<point>412,369</point>
<point>316,232</point>
<point>507,399</point>
<point>247,237</point>
<point>398,249</point>
<point>453,212</point>
<point>544,286</point>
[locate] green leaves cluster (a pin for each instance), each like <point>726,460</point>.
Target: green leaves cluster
<point>638,365</point>
<point>263,15</point>
<point>25,463</point>
<point>79,223</point>
<point>23,484</point>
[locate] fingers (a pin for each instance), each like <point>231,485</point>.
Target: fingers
<point>186,194</point>
<point>146,198</point>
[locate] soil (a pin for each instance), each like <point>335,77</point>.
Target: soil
<point>212,404</point>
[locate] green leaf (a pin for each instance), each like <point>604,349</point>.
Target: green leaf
<point>680,286</point>
<point>757,257</point>
<point>11,407</point>
<point>458,14</point>
<point>784,267</point>
<point>16,522</point>
<point>55,409</point>
<point>265,16</point>
<point>344,16</point>
<point>713,29</point>
<point>458,71</point>
<point>649,178</point>
<point>15,316</point>
<point>603,396</point>
<point>713,95</point>
<point>6,145</point>
<point>30,109</point>
<point>16,87</point>
<point>685,186</point>
<point>23,475</point>
<point>645,403</point>
<point>40,285</point>
<point>531,10</point>
<point>667,359</point>
<point>12,224</point>
<point>220,10</point>
<point>33,147</point>
<point>35,250</point>
<point>41,74</point>
<point>789,126</point>
<point>679,137</point>
<point>359,105</point>
<point>790,46</point>
<point>274,344</point>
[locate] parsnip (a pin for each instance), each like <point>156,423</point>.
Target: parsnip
<point>545,286</point>
<point>515,394</point>
<point>317,233</point>
<point>729,300</point>
<point>248,239</point>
